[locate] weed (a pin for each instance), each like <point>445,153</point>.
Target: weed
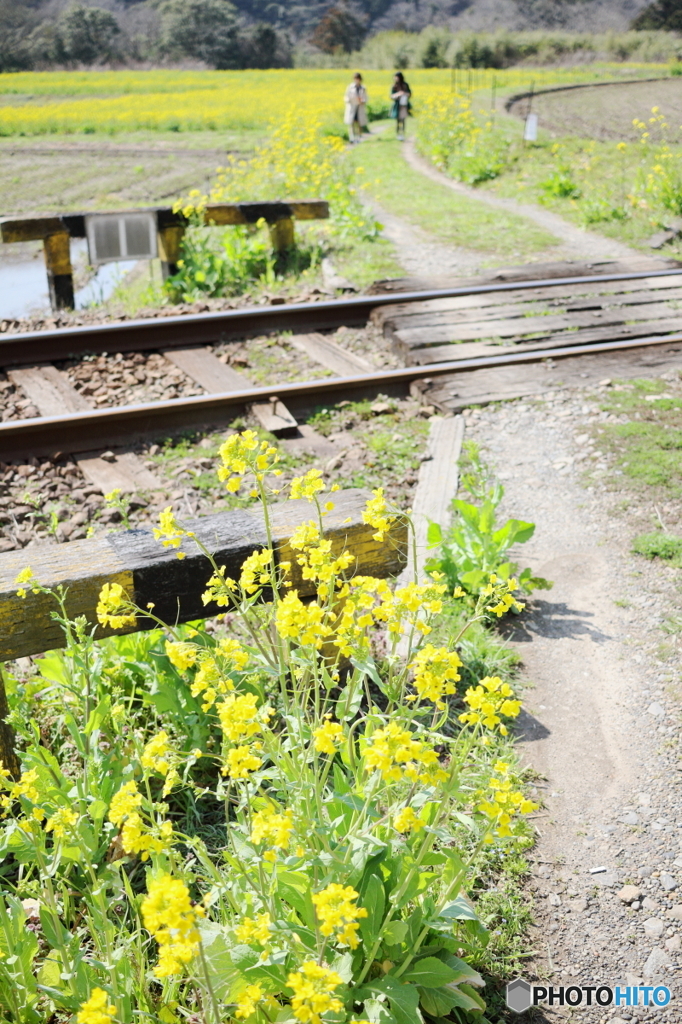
<point>659,545</point>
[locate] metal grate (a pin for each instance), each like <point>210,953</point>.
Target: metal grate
<point>121,236</point>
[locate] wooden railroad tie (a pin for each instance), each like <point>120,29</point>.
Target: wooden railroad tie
<point>148,572</point>
<point>151,573</point>
<point>56,232</point>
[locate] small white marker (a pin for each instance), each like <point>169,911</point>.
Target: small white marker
<point>597,871</point>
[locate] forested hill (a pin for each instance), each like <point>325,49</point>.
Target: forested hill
<point>475,15</point>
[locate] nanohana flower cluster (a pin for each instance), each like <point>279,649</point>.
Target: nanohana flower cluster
<point>330,784</point>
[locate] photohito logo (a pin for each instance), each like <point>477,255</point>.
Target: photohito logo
<point>521,995</point>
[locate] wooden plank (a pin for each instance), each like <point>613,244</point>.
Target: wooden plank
<point>251,213</point>
<point>436,487</point>
<point>437,482</point>
<point>326,352</point>
<point>53,395</point>
<point>519,328</point>
<point>150,572</point>
<point>439,311</point>
<point>29,229</point>
<point>670,286</point>
<point>527,272</point>
<point>215,377</point>
<point>206,369</point>
<point>479,387</point>
<point>565,339</point>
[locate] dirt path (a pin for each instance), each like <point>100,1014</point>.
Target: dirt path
<point>577,243</point>
<point>601,719</point>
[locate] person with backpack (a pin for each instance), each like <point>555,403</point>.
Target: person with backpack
<point>400,94</point>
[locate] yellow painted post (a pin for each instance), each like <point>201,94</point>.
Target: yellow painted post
<point>57,251</point>
<point>170,241</point>
<point>282,234</point>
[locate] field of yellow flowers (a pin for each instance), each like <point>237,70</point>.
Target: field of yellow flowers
<point>123,101</point>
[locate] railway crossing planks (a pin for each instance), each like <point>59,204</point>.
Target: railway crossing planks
<point>574,313</point>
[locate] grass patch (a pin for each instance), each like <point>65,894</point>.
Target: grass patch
<point>659,545</point>
<point>451,218</point>
<point>648,447</point>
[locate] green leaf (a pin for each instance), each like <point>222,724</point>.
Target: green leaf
<point>98,715</point>
<point>429,973</point>
<point>373,899</point>
<point>54,931</point>
<point>220,967</point>
<point>467,990</point>
<point>458,910</point>
<point>294,888</point>
<point>404,999</point>
<point>434,534</point>
<point>467,1002</point>
<point>437,1001</point>
<point>395,933</point>
<point>377,1012</point>
<point>349,701</point>
<point>463,972</point>
<point>50,973</point>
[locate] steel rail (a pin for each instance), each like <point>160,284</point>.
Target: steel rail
<point>232,324</point>
<point>120,425</point>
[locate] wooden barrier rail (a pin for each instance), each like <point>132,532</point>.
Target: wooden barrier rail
<point>151,573</point>
<point>56,232</point>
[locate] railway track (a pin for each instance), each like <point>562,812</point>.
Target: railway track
<point>469,343</point>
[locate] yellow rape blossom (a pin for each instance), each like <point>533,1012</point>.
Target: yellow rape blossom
<point>256,571</point>
<point>97,1009</point>
<point>307,486</point>
<point>435,673</point>
<point>181,654</point>
<point>113,607</point>
<point>153,757</point>
<point>272,827</point>
<point>313,987</point>
<point>328,737</point>
<point>376,514</point>
<point>407,821</point>
<point>338,914</point>
<point>240,762</point>
<point>124,802</point>
<point>26,576</point>
<point>240,717</point>
<point>168,914</point>
<point>258,930</point>
<point>389,748</point>
<point>303,623</point>
<point>504,803</point>
<point>169,531</point>
<point>248,1001</point>
<point>61,822</point>
<point>488,701</point>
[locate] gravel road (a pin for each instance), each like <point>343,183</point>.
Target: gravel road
<point>602,708</point>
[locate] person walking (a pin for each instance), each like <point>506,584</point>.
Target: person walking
<point>400,94</point>
<point>356,108</point>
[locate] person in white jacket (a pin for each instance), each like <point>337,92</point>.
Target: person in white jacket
<point>356,108</point>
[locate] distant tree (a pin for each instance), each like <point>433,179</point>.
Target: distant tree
<point>204,29</point>
<point>662,14</point>
<point>16,22</point>
<point>86,34</point>
<point>340,30</point>
<point>264,47</point>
